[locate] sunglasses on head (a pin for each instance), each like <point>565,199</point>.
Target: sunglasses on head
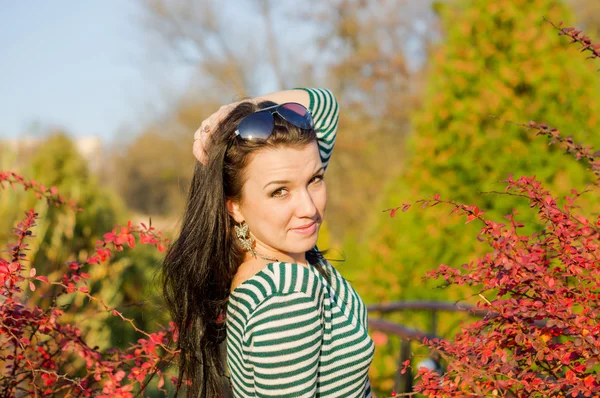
<point>260,124</point>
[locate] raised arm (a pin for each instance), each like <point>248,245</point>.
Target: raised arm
<point>283,337</point>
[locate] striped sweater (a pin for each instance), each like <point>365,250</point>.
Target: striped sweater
<point>290,333</point>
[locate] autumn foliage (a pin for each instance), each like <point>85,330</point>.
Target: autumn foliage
<point>541,335</point>
<point>43,355</point>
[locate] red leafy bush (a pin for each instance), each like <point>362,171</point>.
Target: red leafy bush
<point>40,353</point>
<point>541,336</point>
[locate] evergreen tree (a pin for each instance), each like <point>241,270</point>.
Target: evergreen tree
<point>500,61</point>
<point>63,234</point>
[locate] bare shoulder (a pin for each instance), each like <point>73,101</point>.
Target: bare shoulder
<point>247,270</point>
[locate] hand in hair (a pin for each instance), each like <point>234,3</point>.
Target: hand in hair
<point>206,128</point>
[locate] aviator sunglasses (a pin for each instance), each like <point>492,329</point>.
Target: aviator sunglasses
<point>260,124</point>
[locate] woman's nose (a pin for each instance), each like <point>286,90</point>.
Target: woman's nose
<point>306,206</point>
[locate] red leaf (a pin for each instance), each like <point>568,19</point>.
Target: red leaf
<point>119,375</point>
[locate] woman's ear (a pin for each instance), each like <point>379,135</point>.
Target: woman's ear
<point>233,208</point>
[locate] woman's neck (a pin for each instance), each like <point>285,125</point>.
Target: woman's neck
<point>270,254</point>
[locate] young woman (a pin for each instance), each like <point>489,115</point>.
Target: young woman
<point>245,268</point>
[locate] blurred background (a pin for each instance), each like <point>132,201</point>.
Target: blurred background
<point>101,100</point>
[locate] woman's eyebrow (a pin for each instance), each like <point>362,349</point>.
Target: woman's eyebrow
<point>281,182</point>
<point>276,182</point>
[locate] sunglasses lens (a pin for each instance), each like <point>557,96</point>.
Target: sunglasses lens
<point>297,115</point>
<point>257,125</point>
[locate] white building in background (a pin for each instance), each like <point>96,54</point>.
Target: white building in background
<point>89,147</point>
<point>91,150</point>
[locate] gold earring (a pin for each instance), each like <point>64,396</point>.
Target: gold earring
<point>244,237</point>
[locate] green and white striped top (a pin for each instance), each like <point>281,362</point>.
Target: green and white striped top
<point>290,333</point>
<point>325,112</point>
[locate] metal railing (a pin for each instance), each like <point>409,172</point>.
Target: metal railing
<point>403,382</point>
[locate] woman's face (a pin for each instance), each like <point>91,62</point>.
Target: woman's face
<point>283,200</point>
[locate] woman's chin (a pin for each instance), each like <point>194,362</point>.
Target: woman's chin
<point>299,249</point>
<point>307,245</point>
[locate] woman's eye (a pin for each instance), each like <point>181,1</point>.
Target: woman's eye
<point>278,193</point>
<point>317,178</point>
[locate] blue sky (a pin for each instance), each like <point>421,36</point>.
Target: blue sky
<point>71,64</point>
<point>83,66</point>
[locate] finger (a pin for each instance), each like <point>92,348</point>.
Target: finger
<point>198,133</point>
<point>223,111</point>
<point>204,128</point>
<point>199,153</point>
<point>213,120</point>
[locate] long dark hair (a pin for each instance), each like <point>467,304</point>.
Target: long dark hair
<point>201,263</point>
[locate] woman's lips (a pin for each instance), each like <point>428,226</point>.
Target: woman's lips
<point>308,229</point>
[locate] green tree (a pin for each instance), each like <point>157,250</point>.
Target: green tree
<point>153,173</point>
<point>64,235</point>
<point>499,58</point>
<point>56,162</point>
